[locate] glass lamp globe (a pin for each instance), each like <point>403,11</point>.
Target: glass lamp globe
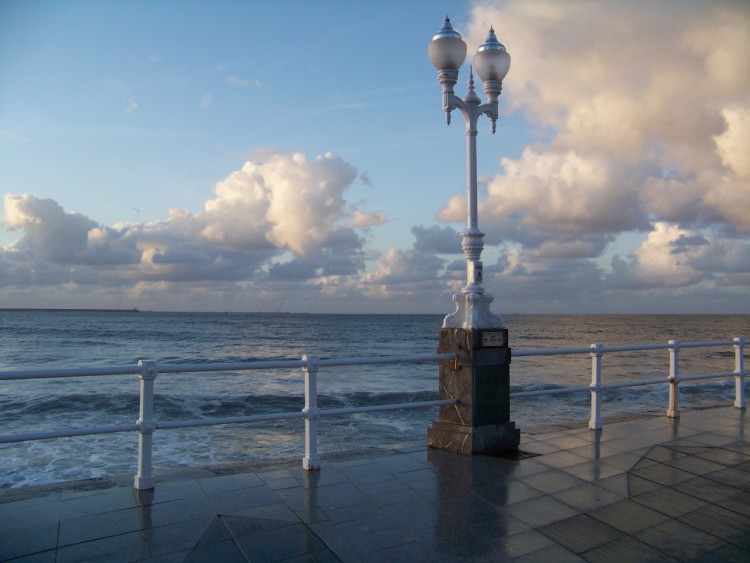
<point>447,50</point>
<point>491,61</point>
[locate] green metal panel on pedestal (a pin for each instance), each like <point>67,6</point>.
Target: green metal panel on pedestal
<point>491,396</point>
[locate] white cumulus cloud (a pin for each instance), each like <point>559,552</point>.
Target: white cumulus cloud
<point>285,206</point>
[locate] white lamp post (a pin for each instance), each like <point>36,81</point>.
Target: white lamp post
<point>491,62</point>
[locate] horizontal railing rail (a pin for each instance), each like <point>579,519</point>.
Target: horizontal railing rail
<point>148,370</point>
<point>133,369</point>
<point>146,425</point>
<point>596,386</point>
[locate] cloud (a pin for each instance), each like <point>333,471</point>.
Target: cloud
<point>587,246</point>
<point>131,106</point>
<point>733,145</point>
<point>365,177</point>
<point>685,242</point>
<point>362,220</point>
<point>647,121</point>
<point>550,194</point>
<point>236,81</point>
<point>286,217</point>
<point>330,262</point>
<point>654,263</point>
<point>436,239</point>
<point>287,202</point>
<point>403,267</point>
<point>619,88</point>
<point>294,270</point>
<point>58,237</point>
<point>672,257</point>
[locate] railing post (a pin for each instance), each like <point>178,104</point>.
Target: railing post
<point>311,460</point>
<point>145,425</point>
<point>597,351</point>
<point>674,374</point>
<point>739,373</point>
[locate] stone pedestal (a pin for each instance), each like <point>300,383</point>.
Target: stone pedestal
<point>480,381</point>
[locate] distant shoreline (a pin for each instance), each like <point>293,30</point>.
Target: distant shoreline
<point>58,310</point>
<point>506,315</point>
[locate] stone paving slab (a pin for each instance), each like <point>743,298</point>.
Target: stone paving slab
<point>648,489</point>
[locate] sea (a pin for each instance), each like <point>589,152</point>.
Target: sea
<point>43,339</point>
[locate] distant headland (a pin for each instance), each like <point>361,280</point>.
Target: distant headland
<point>62,310</point>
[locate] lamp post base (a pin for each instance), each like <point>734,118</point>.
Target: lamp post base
<point>473,312</point>
<point>479,381</point>
<point>490,439</point>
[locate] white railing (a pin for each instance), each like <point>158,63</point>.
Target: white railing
<point>148,370</point>
<point>674,378</point>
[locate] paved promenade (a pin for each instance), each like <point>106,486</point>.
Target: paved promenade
<point>650,489</point>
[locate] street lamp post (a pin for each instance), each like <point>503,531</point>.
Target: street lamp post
<point>478,380</point>
<point>447,52</point>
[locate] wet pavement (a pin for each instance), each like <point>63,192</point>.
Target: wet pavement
<point>648,489</point>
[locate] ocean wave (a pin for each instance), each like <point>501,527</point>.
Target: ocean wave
<point>41,340</point>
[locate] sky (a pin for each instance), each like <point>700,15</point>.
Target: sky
<point>294,156</point>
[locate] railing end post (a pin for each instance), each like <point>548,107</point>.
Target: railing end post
<point>597,351</point>
<point>145,425</point>
<point>595,424</point>
<point>310,464</point>
<point>311,461</point>
<point>739,373</point>
<point>143,483</point>
<point>673,379</point>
